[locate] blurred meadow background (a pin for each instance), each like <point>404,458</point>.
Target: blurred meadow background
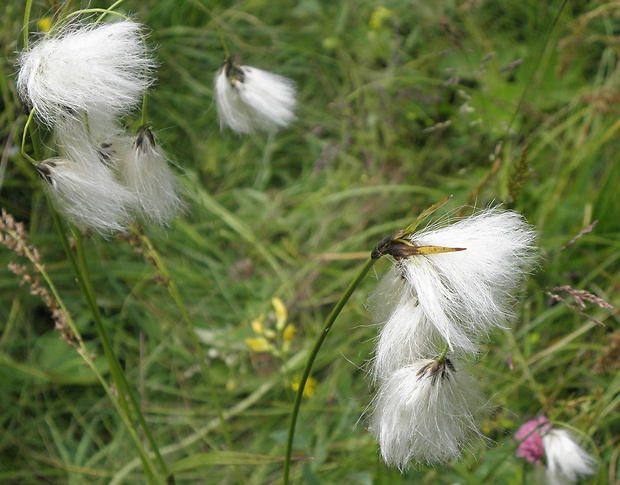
<point>401,103</point>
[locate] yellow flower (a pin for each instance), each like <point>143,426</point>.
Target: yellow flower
<point>260,344</point>
<point>257,326</point>
<point>309,389</point>
<point>289,333</point>
<point>378,17</point>
<point>281,313</point>
<point>44,24</point>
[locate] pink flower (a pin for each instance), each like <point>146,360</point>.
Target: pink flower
<point>529,434</point>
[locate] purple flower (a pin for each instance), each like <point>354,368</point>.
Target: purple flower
<point>529,434</point>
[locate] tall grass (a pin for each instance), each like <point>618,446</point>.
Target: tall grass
<point>400,104</point>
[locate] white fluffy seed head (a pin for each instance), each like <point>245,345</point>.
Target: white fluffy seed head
<point>84,183</point>
<point>466,294</point>
<point>146,173</point>
<point>426,412</point>
<point>80,69</point>
<point>89,198</point>
<point>405,333</point>
<point>249,99</point>
<point>566,460</point>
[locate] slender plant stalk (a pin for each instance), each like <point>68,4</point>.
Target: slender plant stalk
<point>444,352</point>
<point>216,23</point>
<point>26,26</point>
<point>312,357</point>
<point>146,465</point>
<point>176,296</point>
<point>115,368</point>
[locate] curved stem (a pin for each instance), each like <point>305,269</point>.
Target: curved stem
<point>312,357</point>
<point>27,128</point>
<point>110,9</point>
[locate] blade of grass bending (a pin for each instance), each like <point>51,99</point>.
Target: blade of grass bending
<point>539,58</point>
<point>411,228</point>
<point>312,357</point>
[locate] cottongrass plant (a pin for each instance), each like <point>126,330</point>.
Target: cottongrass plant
<point>79,80</point>
<point>249,99</point>
<point>426,411</point>
<point>86,68</point>
<point>464,294</point>
<point>428,406</point>
<point>566,462</point>
<point>448,289</point>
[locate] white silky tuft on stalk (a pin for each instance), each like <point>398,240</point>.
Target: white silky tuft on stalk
<point>466,294</point>
<point>249,99</point>
<point>84,184</point>
<point>406,334</point>
<point>88,197</point>
<point>427,412</point>
<point>449,287</point>
<point>566,460</point>
<point>79,80</point>
<point>102,68</point>
<point>146,173</point>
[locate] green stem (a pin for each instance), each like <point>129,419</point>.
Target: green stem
<point>538,61</point>
<point>216,23</point>
<point>27,11</point>
<point>102,11</point>
<point>143,111</point>
<point>110,9</point>
<point>35,145</point>
<point>121,412</point>
<point>444,352</point>
<point>311,358</point>
<point>115,368</point>
<point>119,403</point>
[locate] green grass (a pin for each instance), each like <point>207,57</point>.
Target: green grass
<point>286,216</point>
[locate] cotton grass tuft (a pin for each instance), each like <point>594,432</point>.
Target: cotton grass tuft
<point>86,68</point>
<point>249,99</point>
<point>426,412</point>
